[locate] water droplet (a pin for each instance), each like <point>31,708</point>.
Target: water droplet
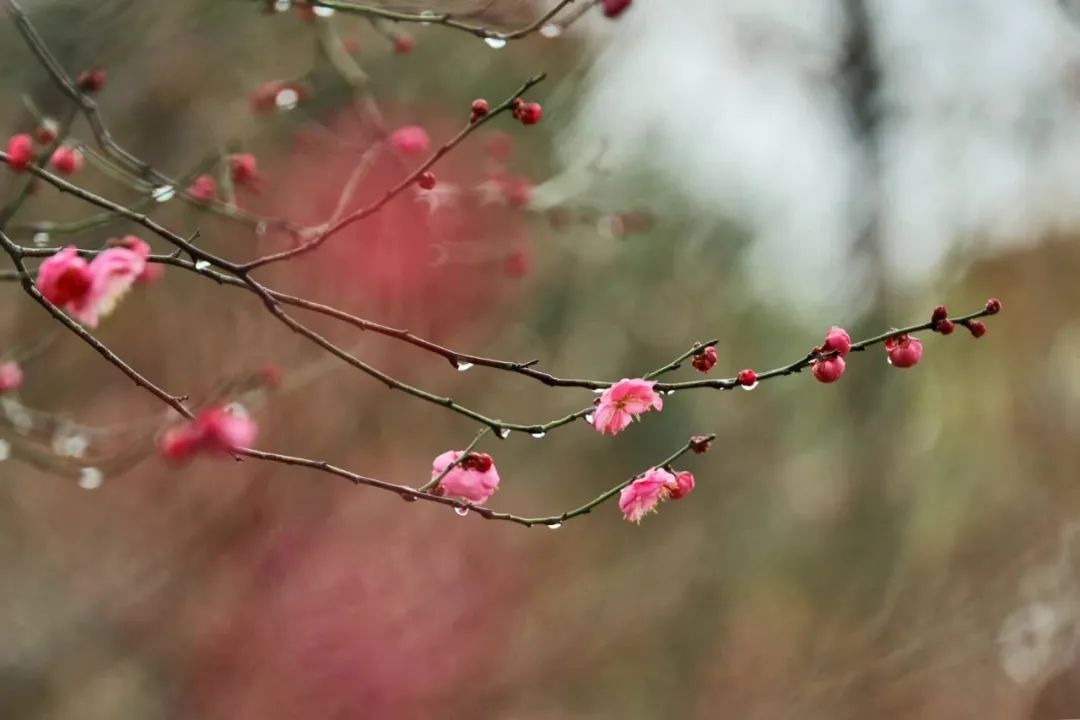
<point>286,99</point>
<point>503,433</point>
<point>551,30</point>
<point>41,239</point>
<point>324,12</point>
<point>749,387</point>
<point>90,478</point>
<point>589,418</point>
<point>201,265</point>
<point>463,366</point>
<point>667,392</point>
<point>427,14</point>
<point>163,193</point>
<point>554,526</point>
<point>888,360</point>
<point>5,450</point>
<point>462,511</point>
<point>538,434</point>
<point>66,445</point>
<point>600,391</point>
<point>282,5</point>
<point>496,43</point>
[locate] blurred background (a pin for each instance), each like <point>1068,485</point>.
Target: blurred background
<point>902,544</point>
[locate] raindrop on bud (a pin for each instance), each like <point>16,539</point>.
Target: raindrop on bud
<point>749,387</point>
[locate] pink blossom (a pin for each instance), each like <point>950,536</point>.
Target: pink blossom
<point>904,351</point>
<point>244,168</point>
<point>410,140</point>
<point>203,188</point>
<point>837,339</point>
<point>828,370</point>
<point>645,493</point>
<point>705,360</point>
<point>684,482</point>
<point>64,278</point>
<point>113,273</point>
<point>11,377</point>
<point>623,402</point>
<point>66,160</point>
<point>474,479</point>
<point>214,430</point>
<point>20,150</point>
<point>152,272</point>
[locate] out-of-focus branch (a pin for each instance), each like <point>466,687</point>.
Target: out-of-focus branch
<point>444,19</point>
<point>393,192</point>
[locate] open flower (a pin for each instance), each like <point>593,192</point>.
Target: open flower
<point>474,479</point>
<point>214,430</point>
<point>89,291</point>
<point>645,493</point>
<point>623,402</point>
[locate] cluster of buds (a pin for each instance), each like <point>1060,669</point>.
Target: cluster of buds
<point>480,108</point>
<point>528,113</point>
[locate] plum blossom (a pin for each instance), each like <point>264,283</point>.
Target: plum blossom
<point>474,479</point>
<point>89,291</point>
<point>214,430</point>
<point>903,350</point>
<point>623,402</point>
<point>646,492</point>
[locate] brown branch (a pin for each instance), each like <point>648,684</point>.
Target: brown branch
<point>443,19</point>
<point>393,192</point>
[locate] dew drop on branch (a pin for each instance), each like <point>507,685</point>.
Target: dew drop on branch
<point>201,265</point>
<point>554,526</point>
<point>503,433</point>
<point>163,193</point>
<point>90,478</point>
<point>324,12</point>
<point>462,511</point>
<point>551,30</point>
<point>538,434</point>
<point>463,366</point>
<point>749,387</point>
<point>427,14</point>
<point>41,239</point>
<point>589,418</point>
<point>494,42</point>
